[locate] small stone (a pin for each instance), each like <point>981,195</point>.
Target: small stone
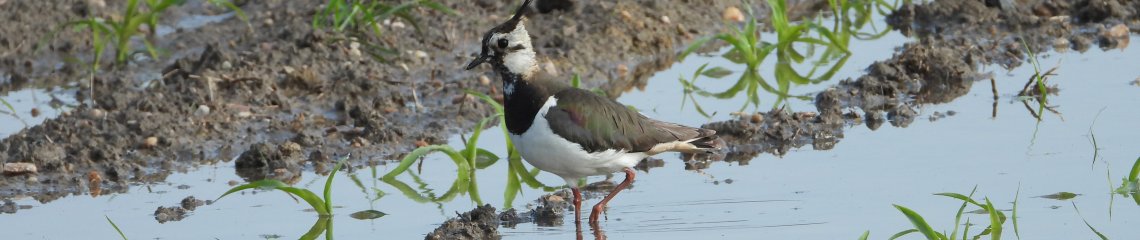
<point>268,22</point>
<point>419,54</point>
<point>96,113</point>
<point>421,143</point>
<point>397,24</point>
<point>35,112</point>
<point>150,142</point>
<point>226,65</point>
<point>244,114</point>
<point>1060,44</point>
<point>626,15</point>
<point>19,168</point>
<point>288,69</point>
<point>757,118</point>
<point>554,199</point>
<point>622,70</point>
<point>733,14</point>
<point>483,79</point>
<point>354,52</point>
<point>202,110</point>
<point>233,183</point>
<point>665,19</point>
<point>1118,31</point>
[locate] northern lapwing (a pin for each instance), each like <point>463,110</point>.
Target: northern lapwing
<point>571,132</point>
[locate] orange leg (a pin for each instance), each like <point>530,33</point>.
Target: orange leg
<point>601,207</point>
<point>577,207</point>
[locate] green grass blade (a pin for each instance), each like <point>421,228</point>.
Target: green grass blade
<point>494,104</point>
<point>902,233</point>
<point>961,197</point>
<point>697,44</point>
<point>8,105</point>
<point>961,209</point>
<point>311,198</point>
<point>1098,234</point>
<point>1017,194</point>
<point>423,151</point>
<point>1132,176</point>
<point>865,235</point>
<point>120,231</point>
<point>484,158</point>
<point>318,228</point>
<point>513,188</point>
<point>995,220</point>
<point>438,7</point>
<point>919,223</point>
<point>328,183</point>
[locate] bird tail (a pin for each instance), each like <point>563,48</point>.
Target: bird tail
<point>688,139</point>
<point>705,142</point>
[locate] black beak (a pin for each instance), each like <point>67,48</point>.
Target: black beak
<point>478,61</point>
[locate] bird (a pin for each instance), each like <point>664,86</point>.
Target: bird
<point>571,132</point>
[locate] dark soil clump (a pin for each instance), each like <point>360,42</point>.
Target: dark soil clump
<point>478,224</point>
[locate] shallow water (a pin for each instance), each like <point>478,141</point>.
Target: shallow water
<point>806,194</point>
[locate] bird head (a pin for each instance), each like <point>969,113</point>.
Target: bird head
<point>507,47</point>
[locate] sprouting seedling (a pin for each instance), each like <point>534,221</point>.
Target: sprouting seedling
<point>113,225</point>
<point>323,206</point>
<point>1098,234</point>
<point>994,230</point>
<point>371,14</point>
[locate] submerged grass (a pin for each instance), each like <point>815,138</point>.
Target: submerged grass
<point>113,225</point>
<point>747,49</point>
<point>323,206</point>
<point>994,229</point>
<point>1130,187</point>
<point>1098,234</point>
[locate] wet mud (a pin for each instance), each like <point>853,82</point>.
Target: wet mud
<point>252,93</point>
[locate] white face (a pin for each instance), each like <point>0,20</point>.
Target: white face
<point>518,54</point>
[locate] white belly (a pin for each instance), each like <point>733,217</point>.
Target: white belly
<point>540,147</point>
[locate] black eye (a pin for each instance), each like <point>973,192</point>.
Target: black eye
<point>503,43</point>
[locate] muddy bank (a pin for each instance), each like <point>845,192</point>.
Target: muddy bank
<point>956,39</point>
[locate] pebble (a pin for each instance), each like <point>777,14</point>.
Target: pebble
<point>19,168</point>
<point>419,54</point>
<point>1118,31</point>
<point>665,19</point>
<point>150,142</point>
<point>202,110</point>
<point>733,14</point>
<point>96,113</point>
<point>483,79</point>
<point>622,70</point>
